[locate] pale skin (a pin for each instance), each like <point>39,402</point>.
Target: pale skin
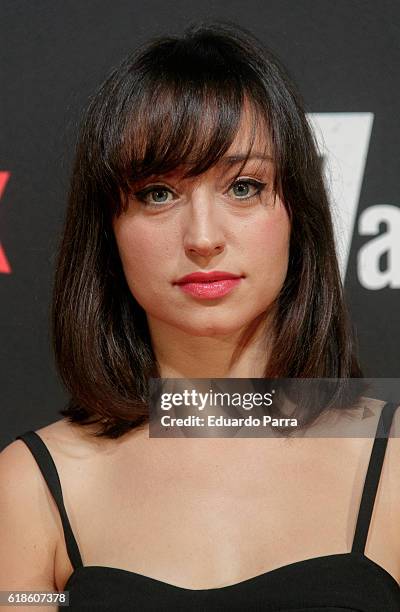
<point>206,225</point>
<point>197,513</point>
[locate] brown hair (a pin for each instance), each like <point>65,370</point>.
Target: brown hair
<point>145,119</point>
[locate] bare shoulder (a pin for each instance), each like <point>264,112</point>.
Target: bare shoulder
<point>29,538</point>
<point>21,480</point>
<point>359,426</point>
<point>391,465</point>
<point>388,495</point>
<point>64,437</point>
<point>83,460</point>
<point>371,409</point>
<point>361,420</point>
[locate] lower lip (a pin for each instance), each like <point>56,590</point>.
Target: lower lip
<point>210,290</point>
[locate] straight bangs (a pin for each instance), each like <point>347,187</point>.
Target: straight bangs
<point>179,109</point>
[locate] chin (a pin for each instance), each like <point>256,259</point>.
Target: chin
<point>210,328</point>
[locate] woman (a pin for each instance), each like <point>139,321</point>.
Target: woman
<point>195,157</point>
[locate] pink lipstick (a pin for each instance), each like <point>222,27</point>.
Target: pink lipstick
<point>209,285</point>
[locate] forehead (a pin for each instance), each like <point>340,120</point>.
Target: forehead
<point>252,135</point>
<point>212,147</point>
<point>252,142</point>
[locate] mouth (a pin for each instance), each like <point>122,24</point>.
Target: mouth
<point>209,285</point>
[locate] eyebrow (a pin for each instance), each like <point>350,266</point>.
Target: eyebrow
<point>233,159</point>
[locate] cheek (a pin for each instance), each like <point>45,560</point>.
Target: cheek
<point>141,250</point>
<point>267,246</point>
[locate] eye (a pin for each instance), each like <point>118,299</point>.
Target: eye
<point>154,195</point>
<point>245,189</point>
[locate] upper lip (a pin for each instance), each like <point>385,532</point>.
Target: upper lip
<point>202,277</point>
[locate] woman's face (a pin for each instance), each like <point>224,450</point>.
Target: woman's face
<point>176,227</point>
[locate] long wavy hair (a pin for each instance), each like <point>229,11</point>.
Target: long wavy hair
<point>176,102</point>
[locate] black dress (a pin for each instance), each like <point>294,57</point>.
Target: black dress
<point>337,582</point>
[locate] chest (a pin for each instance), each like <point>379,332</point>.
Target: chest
<point>201,523</point>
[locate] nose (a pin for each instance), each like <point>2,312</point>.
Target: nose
<point>203,234</point>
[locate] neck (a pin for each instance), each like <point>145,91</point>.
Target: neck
<point>240,354</point>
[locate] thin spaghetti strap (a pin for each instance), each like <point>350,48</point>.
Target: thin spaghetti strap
<point>47,466</point>
<point>372,477</point>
